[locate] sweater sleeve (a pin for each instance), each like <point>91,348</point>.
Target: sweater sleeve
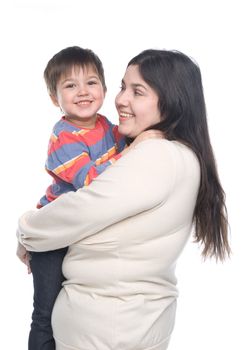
<point>137,182</point>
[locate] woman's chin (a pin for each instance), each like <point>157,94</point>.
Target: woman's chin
<point>124,130</point>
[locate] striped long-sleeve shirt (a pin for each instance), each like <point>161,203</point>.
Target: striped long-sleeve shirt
<point>77,155</point>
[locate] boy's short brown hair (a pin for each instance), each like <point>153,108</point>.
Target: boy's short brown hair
<point>63,62</point>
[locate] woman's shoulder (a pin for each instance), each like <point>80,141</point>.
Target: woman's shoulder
<point>173,154</point>
<point>159,145</point>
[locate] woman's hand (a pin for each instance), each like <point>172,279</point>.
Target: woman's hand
<point>24,256</point>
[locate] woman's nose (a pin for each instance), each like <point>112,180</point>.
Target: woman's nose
<point>122,99</point>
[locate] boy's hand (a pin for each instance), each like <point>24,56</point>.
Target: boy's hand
<point>23,255</point>
<point>148,134</point>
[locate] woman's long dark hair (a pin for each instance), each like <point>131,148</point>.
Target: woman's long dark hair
<point>177,81</point>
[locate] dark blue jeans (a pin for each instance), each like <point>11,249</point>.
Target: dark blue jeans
<point>47,274</point>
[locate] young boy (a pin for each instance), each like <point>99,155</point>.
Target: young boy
<point>82,145</point>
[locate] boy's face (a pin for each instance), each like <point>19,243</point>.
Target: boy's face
<point>80,95</point>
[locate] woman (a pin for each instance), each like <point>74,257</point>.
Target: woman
<point>126,230</point>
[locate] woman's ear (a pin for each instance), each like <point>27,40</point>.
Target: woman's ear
<point>54,100</point>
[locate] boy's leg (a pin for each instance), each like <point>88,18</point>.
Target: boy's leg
<point>47,280</point>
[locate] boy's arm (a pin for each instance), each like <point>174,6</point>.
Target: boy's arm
<point>70,161</point>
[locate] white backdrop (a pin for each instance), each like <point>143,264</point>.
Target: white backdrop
<point>32,31</point>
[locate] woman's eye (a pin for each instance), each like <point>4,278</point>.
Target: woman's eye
<point>137,93</point>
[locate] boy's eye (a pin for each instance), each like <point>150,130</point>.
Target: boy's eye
<point>70,86</point>
<point>92,82</point>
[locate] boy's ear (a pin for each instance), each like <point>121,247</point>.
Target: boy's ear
<point>54,100</point>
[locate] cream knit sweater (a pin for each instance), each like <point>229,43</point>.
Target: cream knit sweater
<point>125,232</point>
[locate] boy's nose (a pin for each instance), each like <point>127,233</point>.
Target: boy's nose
<point>82,90</point>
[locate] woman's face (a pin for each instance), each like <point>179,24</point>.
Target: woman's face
<point>136,103</point>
